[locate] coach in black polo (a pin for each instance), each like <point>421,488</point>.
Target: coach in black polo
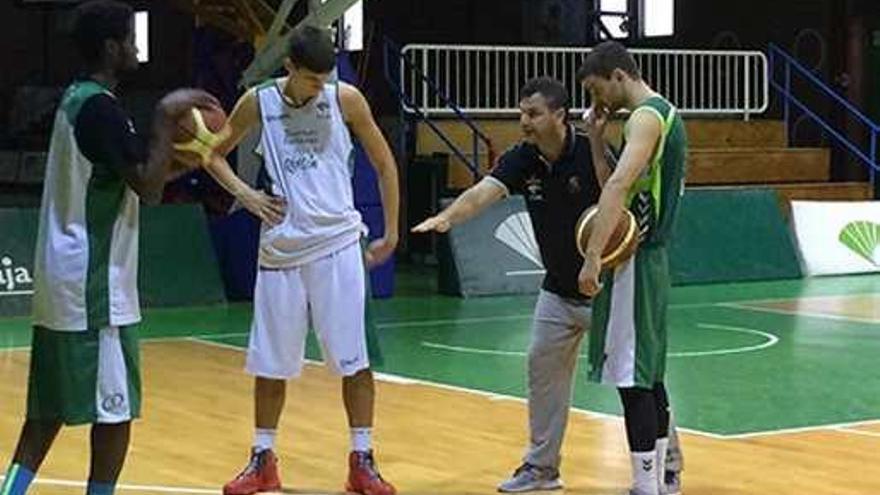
<point>552,168</point>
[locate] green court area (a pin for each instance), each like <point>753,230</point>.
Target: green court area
<point>737,365</point>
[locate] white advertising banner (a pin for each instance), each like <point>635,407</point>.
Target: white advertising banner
<point>838,237</point>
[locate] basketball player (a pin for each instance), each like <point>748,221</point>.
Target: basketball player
<point>552,168</point>
<point>84,356</point>
<point>310,260</point>
<point>628,342</point>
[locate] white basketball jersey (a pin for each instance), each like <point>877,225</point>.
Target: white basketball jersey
<point>307,154</point>
<point>86,260</point>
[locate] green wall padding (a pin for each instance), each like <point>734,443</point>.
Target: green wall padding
<point>177,263</point>
<point>731,235</point>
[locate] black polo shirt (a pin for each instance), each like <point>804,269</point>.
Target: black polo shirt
<point>555,194</point>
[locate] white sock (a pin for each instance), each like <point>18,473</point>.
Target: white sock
<point>264,439</point>
<point>644,469</point>
<point>661,447</point>
<point>361,439</point>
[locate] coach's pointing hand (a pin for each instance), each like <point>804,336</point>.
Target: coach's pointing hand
<point>437,223</point>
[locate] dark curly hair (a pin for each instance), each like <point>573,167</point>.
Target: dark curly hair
<point>98,21</point>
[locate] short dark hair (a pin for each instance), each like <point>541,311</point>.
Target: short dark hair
<point>604,58</point>
<point>312,47</point>
<point>96,22</point>
<point>551,89</point>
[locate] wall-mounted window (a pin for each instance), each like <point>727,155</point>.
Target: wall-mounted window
<point>142,35</point>
<point>353,25</point>
<point>609,18</point>
<point>658,18</point>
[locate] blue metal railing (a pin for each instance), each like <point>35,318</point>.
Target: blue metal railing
<point>393,53</point>
<point>793,71</point>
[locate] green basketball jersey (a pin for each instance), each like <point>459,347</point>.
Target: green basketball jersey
<point>655,197</point>
<point>628,339</point>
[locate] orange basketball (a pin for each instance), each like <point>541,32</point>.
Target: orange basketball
<point>622,243</point>
<point>198,131</point>
<point>187,130</point>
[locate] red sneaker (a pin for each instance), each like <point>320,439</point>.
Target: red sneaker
<point>260,475</point>
<point>364,478</point>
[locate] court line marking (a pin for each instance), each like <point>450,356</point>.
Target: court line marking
<point>391,378</point>
<point>485,319</point>
<point>209,491</point>
<point>844,429</point>
<point>493,396</point>
<point>204,339</point>
<point>399,379</point>
<point>449,321</point>
<point>792,312</point>
<point>194,338</point>
<point>738,305</point>
<point>26,292</point>
<point>801,429</point>
<point>127,486</point>
<point>770,341</point>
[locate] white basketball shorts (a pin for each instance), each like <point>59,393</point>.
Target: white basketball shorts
<point>326,294</point>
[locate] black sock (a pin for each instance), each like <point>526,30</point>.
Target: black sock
<point>662,402</point>
<point>640,414</point>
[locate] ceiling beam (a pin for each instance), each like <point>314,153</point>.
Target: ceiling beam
<point>271,57</point>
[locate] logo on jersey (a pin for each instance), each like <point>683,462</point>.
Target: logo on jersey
<point>642,207</point>
<point>277,117</point>
<point>348,363</point>
<point>534,189</point>
<point>574,185</point>
<point>114,404</point>
<point>300,162</point>
<point>323,110</point>
<point>14,279</point>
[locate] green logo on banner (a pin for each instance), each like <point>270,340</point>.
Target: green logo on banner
<point>14,279</point>
<point>863,238</point>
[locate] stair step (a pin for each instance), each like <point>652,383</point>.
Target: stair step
<point>812,191</point>
<point>720,166</point>
<point>726,133</point>
<point>758,165</point>
<point>702,133</point>
<point>826,191</point>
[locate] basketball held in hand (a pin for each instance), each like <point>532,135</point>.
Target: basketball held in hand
<point>198,132</point>
<point>621,245</point>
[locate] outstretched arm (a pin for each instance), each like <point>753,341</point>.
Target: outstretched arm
<point>471,202</point>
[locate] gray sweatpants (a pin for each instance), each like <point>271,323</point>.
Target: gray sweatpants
<point>558,327</point>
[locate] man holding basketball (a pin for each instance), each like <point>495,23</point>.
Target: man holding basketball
<point>628,342</point>
<point>84,366</point>
<point>552,168</point>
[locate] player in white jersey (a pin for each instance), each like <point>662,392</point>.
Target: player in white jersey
<point>311,269</point>
<point>84,356</point>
